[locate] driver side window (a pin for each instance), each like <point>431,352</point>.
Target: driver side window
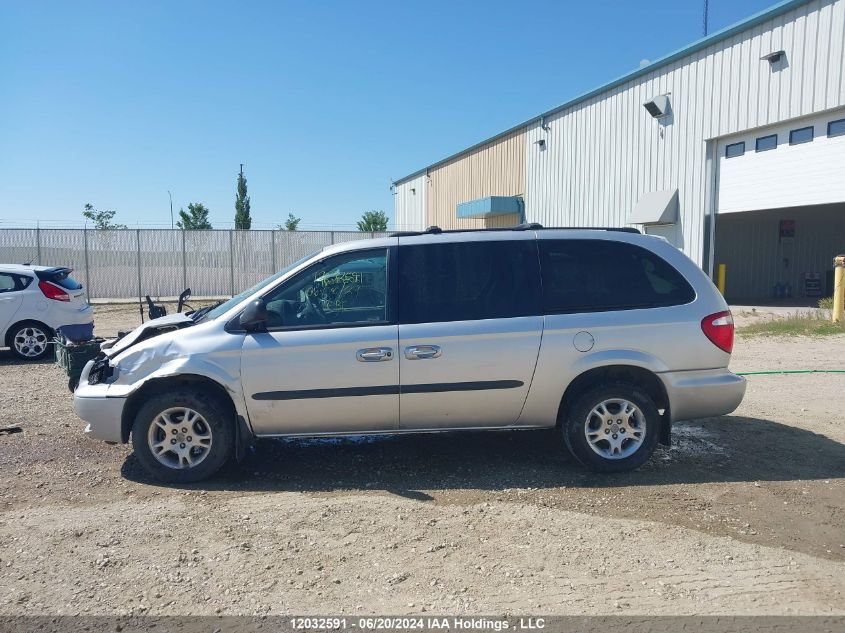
<point>347,289</point>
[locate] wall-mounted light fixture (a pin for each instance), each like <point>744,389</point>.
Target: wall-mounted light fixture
<point>541,144</point>
<point>414,190</point>
<point>659,106</point>
<point>774,57</point>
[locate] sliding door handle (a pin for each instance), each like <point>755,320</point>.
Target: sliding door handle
<point>374,354</point>
<point>422,352</point>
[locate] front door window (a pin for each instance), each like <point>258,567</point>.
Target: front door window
<point>348,289</point>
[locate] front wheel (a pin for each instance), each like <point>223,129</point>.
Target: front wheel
<point>612,428</point>
<point>183,436</point>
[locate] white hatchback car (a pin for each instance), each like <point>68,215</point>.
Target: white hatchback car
<point>35,301</point>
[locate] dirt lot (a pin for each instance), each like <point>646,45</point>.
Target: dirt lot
<point>743,515</point>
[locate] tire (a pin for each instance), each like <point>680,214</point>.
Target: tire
<point>30,340</point>
<point>169,422</point>
<point>619,447</point>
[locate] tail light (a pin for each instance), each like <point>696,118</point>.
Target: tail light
<point>52,291</point>
<point>719,328</point>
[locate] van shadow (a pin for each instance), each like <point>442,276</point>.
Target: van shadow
<point>724,449</point>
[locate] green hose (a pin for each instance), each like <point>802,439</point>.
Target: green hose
<point>791,371</point>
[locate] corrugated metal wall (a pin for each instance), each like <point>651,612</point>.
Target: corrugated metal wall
<point>602,155</point>
<point>495,169</point>
<point>409,204</point>
<point>749,244</point>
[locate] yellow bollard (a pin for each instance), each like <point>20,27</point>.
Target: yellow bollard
<point>723,269</point>
<point>838,288</point>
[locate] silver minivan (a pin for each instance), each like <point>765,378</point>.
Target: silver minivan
<point>606,334</point>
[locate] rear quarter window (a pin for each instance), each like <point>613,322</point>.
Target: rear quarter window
<point>603,275</point>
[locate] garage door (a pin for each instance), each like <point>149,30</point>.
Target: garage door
<point>800,163</point>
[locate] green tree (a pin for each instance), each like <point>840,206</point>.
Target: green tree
<point>195,219</point>
<point>243,220</point>
<point>292,223</point>
<point>373,221</point>
<point>102,219</point>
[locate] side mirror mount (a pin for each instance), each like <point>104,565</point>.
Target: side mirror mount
<point>254,317</point>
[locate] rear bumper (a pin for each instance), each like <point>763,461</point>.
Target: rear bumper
<point>102,413</point>
<point>72,315</point>
<point>702,393</point>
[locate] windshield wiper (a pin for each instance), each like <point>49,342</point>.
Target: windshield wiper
<point>198,314</point>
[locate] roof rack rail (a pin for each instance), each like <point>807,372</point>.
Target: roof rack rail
<point>618,229</point>
<point>525,226</point>
<point>432,230</point>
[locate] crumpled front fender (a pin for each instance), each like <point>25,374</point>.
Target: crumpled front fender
<point>171,358</point>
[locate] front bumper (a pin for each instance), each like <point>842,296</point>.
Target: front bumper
<point>702,393</point>
<point>103,414</point>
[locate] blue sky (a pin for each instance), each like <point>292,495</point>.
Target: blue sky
<point>114,103</point>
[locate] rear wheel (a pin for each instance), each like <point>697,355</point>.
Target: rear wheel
<point>30,340</point>
<point>612,428</point>
<point>183,435</point>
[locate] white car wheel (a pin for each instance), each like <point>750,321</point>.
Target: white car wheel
<point>30,341</point>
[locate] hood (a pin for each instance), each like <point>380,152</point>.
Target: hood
<point>152,328</point>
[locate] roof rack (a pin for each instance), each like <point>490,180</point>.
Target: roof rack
<point>525,226</point>
<point>616,229</point>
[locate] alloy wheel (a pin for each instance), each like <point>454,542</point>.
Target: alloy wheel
<point>615,428</point>
<point>30,341</point>
<point>179,438</point>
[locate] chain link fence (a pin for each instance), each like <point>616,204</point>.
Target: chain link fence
<point>117,264</point>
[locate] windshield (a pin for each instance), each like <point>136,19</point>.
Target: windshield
<point>224,307</point>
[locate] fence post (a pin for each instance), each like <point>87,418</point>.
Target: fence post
<point>87,273</point>
<point>332,238</point>
<point>231,265</point>
<point>272,251</point>
<point>38,244</point>
<point>138,243</point>
<point>184,263</point>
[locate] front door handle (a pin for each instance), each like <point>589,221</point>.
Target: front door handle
<point>422,352</point>
<point>374,354</point>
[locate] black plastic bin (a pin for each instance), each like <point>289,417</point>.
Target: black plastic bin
<point>72,357</point>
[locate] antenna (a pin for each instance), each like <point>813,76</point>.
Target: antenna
<point>706,11</point>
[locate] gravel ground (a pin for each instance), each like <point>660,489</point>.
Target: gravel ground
<point>745,514</point>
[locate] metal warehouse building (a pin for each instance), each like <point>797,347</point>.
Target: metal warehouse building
<point>732,148</point>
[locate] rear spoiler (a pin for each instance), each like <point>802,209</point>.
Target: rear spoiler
<point>56,273</point>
